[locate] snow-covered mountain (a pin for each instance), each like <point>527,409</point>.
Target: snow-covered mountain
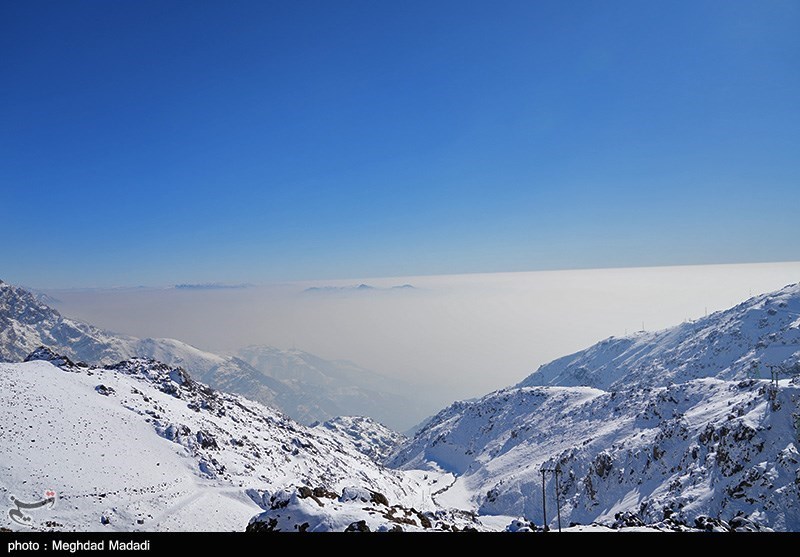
<point>300,384</point>
<point>737,343</point>
<point>671,426</point>
<point>140,445</point>
<point>320,389</point>
<point>675,429</point>
<point>27,323</point>
<point>370,437</point>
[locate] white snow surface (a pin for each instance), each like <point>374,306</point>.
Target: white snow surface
<point>141,446</point>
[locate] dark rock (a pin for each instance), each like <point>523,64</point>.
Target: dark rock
<point>45,354</point>
<point>743,524</point>
<point>710,524</point>
<point>322,492</point>
<point>626,519</point>
<point>603,464</point>
<point>304,492</point>
<point>206,440</point>
<point>378,498</point>
<point>262,525</point>
<point>103,390</point>
<point>359,526</point>
<point>424,521</point>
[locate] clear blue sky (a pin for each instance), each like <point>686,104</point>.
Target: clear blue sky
<point>160,142</point>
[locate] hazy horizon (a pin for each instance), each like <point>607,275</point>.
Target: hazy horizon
<point>312,139</point>
<point>460,335</point>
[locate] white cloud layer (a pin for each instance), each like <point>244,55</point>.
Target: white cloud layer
<point>464,335</point>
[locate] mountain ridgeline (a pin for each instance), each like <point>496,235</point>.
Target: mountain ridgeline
<point>748,340</point>
<point>660,428</point>
<point>305,387</point>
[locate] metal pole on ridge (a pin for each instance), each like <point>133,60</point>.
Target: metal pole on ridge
<point>544,504</point>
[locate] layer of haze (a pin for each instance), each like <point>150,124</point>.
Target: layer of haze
<point>461,335</point>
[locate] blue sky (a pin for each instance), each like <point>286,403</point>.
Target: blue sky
<point>155,142</point>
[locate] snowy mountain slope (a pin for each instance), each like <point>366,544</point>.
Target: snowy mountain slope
<point>228,374</point>
<point>764,329</point>
<point>702,448</point>
<point>370,437</point>
<point>27,323</point>
<point>139,445</point>
<point>305,387</point>
<point>674,423</point>
<point>337,387</point>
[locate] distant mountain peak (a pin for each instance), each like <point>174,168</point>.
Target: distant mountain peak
<point>212,286</point>
<point>362,287</point>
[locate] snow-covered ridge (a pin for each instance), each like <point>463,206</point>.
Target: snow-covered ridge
<point>677,425</point>
<point>140,445</point>
<point>27,323</point>
<point>370,437</point>
<point>737,343</point>
<point>703,448</point>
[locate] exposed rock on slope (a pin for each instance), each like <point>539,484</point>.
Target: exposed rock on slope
<point>702,448</point>
<point>371,438</point>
